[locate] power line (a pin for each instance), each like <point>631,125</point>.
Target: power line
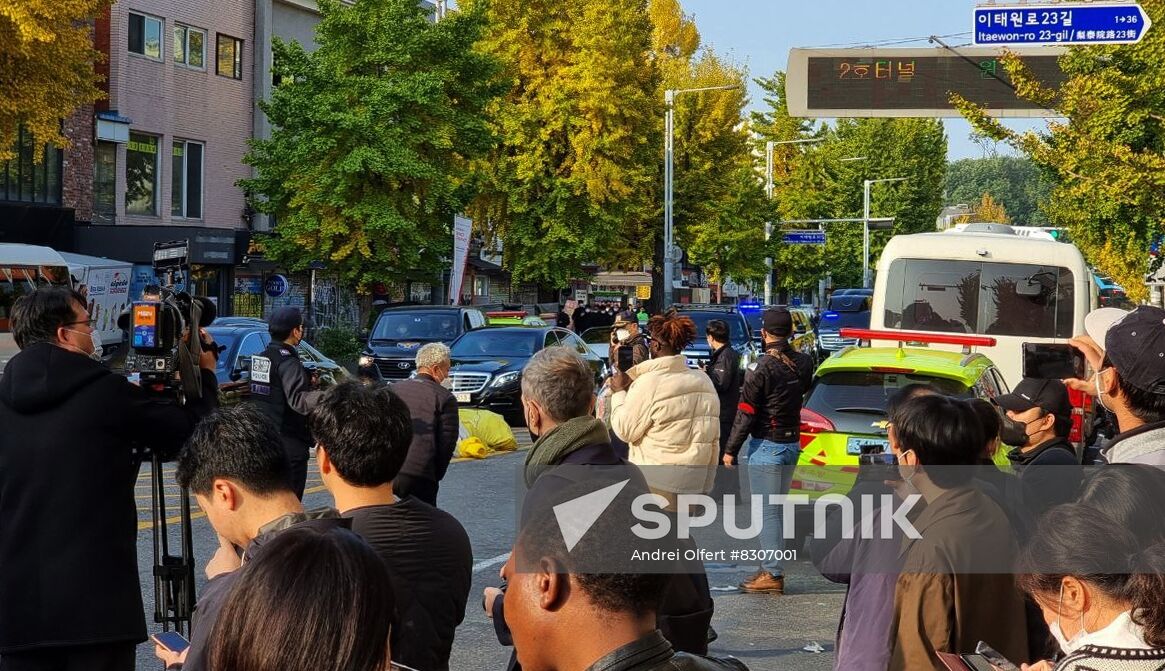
<point>885,42</point>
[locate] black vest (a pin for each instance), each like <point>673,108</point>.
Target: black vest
<point>267,390</point>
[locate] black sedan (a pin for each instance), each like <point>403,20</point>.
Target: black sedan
<point>243,338</point>
<point>488,363</point>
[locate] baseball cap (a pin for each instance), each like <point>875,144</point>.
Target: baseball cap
<point>1134,342</point>
<point>285,319</point>
<point>626,317</point>
<point>1050,395</point>
<point>777,321</point>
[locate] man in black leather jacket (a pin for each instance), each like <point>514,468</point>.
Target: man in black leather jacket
<point>565,609</point>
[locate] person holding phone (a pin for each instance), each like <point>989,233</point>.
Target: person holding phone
<point>625,335</point>
<point>1040,419</point>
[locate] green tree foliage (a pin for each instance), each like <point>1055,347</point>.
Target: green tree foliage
<point>372,134</point>
<point>1107,154</point>
<point>46,66</point>
<point>1014,181</point>
<point>574,180</point>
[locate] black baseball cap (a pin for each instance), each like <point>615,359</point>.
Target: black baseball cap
<point>1134,342</point>
<point>1050,395</point>
<point>777,321</point>
<point>626,317</point>
<point>285,319</point>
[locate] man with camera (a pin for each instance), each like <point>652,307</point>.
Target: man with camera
<point>285,390</point>
<point>625,335</point>
<point>69,591</point>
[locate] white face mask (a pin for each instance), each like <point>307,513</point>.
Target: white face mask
<point>1122,632</point>
<point>1099,393</point>
<point>98,350</point>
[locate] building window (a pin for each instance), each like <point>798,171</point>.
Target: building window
<point>23,179</point>
<point>141,174</point>
<point>186,195</point>
<point>105,182</point>
<point>230,57</point>
<point>145,36</point>
<point>480,286</point>
<point>190,46</point>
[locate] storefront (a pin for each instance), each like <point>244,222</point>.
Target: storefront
<point>620,290</point>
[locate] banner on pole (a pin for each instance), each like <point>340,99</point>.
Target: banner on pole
<point>462,228</point>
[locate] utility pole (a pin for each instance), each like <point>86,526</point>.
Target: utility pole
<point>769,194</point>
<point>866,225</point>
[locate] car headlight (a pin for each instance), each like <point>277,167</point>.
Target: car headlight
<point>506,379</point>
<point>365,361</point>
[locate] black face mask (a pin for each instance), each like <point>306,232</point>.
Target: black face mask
<point>1012,432</point>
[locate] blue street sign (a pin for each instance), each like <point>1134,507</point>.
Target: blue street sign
<point>276,286</point>
<point>803,237</point>
<point>1061,23</point>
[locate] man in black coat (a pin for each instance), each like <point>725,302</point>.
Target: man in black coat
<point>285,391</point>
<point>69,591</point>
<point>727,377</point>
<point>435,425</point>
<point>1040,417</point>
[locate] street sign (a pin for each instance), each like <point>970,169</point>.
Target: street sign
<point>1060,24</point>
<point>803,237</point>
<point>276,286</point>
<point>832,83</point>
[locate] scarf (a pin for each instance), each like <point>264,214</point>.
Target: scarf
<point>552,447</point>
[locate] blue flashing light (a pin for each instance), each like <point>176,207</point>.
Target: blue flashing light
<point>829,315</point>
<point>749,307</point>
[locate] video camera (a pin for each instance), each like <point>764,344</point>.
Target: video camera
<point>158,324</point>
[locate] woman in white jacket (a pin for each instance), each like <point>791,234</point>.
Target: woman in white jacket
<point>667,413</point>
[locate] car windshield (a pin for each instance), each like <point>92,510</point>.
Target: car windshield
<point>491,343</point>
<point>597,336</point>
<point>832,321</point>
<point>753,317</point>
<point>416,326</point>
<point>736,328</point>
<point>223,338</point>
<point>868,393</point>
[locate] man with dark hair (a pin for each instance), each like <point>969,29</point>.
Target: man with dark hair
<point>938,599</point>
<point>285,391</point>
<point>362,437</point>
<point>435,425</point>
<point>727,376</point>
<point>1126,351</point>
<point>69,591</point>
<point>625,332</point>
<point>770,414</point>
<point>238,471</point>
<point>569,610</point>
<point>1045,461</point>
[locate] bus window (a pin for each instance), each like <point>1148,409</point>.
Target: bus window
<point>16,281</point>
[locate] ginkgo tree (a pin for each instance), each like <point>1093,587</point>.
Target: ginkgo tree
<point>46,65</point>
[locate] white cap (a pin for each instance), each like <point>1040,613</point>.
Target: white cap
<point>1099,321</point>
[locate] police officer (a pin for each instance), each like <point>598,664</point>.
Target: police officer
<point>284,390</point>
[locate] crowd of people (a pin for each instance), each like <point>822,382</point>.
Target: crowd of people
<point>1054,565</point>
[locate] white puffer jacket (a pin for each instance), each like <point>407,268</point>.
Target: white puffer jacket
<point>670,416</point>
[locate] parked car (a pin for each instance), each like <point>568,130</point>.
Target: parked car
<point>740,336</point>
<point>804,338</point>
<point>849,309</point>
<point>513,318</point>
<point>398,333</point>
<point>599,340</point>
<point>488,363</point>
<point>243,338</point>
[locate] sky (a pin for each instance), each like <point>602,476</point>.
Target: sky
<point>758,34</point>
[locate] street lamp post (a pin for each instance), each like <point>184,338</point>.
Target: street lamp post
<point>769,193</point>
<point>866,225</point>
<point>669,97</point>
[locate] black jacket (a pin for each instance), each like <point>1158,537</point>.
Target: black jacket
<point>218,589</point>
<point>770,402</point>
<point>435,426</point>
<point>284,392</point>
<point>68,518</point>
<point>727,377</point>
<point>1050,474</point>
<point>652,653</point>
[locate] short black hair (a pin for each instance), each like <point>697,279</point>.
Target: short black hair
<point>912,390</point>
<point>989,419</point>
<point>365,430</point>
<point>717,329</point>
<point>942,432</point>
<point>1147,406</point>
<point>37,316</point>
<point>237,443</point>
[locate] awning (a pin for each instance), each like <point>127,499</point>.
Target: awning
<point>481,264</point>
<point>617,279</point>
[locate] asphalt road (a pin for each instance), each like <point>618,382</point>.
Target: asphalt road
<point>767,632</point>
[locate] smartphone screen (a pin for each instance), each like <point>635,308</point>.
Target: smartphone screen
<point>1052,362</point>
<point>997,660</point>
<point>626,358</point>
<point>978,662</point>
<point>171,640</point>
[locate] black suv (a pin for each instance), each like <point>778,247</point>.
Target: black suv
<point>739,333</point>
<point>399,332</point>
<point>848,308</point>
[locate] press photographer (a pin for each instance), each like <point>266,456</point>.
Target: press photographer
<point>69,460</point>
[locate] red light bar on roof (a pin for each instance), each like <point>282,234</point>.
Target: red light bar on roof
<point>500,314</point>
<point>914,336</point>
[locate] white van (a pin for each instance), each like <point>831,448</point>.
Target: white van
<point>22,269</point>
<point>989,281</point>
<point>105,283</point>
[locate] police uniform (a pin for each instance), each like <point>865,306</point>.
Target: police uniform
<point>282,388</point>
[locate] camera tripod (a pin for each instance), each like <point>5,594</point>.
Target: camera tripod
<point>173,574</point>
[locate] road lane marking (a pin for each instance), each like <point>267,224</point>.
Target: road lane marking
<point>493,561</point>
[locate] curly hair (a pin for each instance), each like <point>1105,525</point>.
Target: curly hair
<point>672,330</point>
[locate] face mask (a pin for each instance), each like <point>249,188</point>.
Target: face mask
<point>530,423</point>
<point>907,472</point>
<point>1099,393</point>
<point>98,350</point>
<point>622,334</point>
<point>1068,646</point>
<point>1014,432</point>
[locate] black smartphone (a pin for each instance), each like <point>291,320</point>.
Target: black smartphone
<point>626,358</point>
<point>978,662</point>
<point>997,660</point>
<point>171,640</point>
<point>1048,361</point>
<point>877,459</point>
